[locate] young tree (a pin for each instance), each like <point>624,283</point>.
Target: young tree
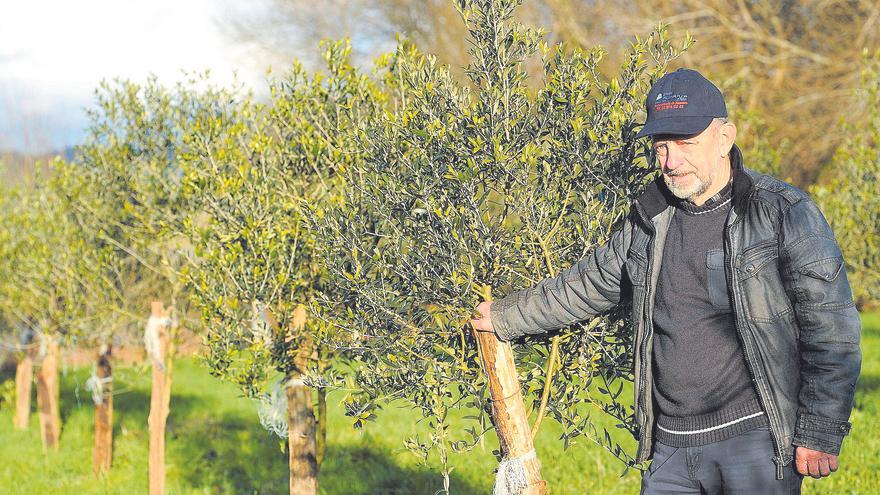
<point>132,156</point>
<point>16,336</point>
<point>107,285</point>
<point>255,169</point>
<point>850,201</point>
<point>460,195</point>
<point>42,284</point>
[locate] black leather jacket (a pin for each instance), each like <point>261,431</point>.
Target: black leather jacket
<point>785,277</point>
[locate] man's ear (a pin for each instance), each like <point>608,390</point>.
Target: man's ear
<point>727,131</point>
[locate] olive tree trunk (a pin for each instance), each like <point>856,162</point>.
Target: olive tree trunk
<point>301,425</point>
<point>47,395</point>
<point>303,459</point>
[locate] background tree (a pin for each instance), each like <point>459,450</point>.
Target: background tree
<point>17,338</point>
<point>244,274</point>
<point>132,155</point>
<point>108,283</point>
<point>784,79</point>
<point>254,168</point>
<point>459,193</point>
<point>43,284</point>
<point>850,201</point>
<point>279,30</point>
<point>774,60</point>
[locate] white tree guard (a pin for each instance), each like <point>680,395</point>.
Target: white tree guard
<point>260,327</point>
<point>151,339</point>
<point>272,411</point>
<point>95,385</point>
<point>511,476</point>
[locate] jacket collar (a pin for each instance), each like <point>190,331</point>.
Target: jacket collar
<point>657,197</point>
<point>743,185</point>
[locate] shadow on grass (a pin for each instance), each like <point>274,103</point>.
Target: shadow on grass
<point>234,454</point>
<point>868,384</point>
<point>7,371</point>
<point>131,405</point>
<point>355,469</point>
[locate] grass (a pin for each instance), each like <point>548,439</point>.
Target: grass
<point>215,445</point>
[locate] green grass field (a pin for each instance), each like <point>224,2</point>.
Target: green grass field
<point>215,445</point>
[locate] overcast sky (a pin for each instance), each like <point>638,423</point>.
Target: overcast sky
<point>53,54</point>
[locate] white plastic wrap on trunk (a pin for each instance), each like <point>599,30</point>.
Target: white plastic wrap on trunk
<point>44,346</point>
<point>511,477</point>
<point>151,339</point>
<point>272,411</point>
<point>95,385</point>
<point>260,326</point>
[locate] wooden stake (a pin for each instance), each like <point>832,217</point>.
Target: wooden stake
<point>303,460</point>
<point>103,453</point>
<point>508,409</point>
<point>47,395</point>
<point>159,397</point>
<point>24,378</point>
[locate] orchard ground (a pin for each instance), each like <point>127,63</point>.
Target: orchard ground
<point>217,446</point>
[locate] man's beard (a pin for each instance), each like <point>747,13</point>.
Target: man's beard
<point>694,189</point>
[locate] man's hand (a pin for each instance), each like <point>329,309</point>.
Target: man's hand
<point>814,463</point>
<point>484,323</point>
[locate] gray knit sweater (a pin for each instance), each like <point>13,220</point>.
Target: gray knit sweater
<point>702,386</point>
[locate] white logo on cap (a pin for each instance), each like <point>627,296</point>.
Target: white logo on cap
<point>659,95</point>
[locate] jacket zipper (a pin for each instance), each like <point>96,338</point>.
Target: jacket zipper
<point>646,325</point>
<point>763,395</point>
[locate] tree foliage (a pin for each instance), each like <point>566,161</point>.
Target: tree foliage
<point>255,169</point>
<point>46,260</point>
<point>8,240</point>
<point>850,201</point>
<point>132,158</point>
<point>458,192</point>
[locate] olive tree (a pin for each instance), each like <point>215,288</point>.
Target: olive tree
<point>464,193</point>
<point>46,259</point>
<point>108,286</point>
<point>850,201</point>
<point>132,158</point>
<point>17,337</point>
<point>255,168</point>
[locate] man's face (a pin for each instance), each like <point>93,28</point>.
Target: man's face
<point>690,164</point>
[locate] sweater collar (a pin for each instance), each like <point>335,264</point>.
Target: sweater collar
<point>722,197</point>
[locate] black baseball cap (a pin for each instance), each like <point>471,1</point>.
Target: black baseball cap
<point>682,102</point>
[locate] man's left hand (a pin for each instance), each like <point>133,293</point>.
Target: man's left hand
<point>814,463</point>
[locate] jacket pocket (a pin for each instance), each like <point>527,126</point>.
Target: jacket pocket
<point>818,283</point>
<point>754,258</point>
<point>716,280</point>
<point>827,269</point>
<point>761,283</point>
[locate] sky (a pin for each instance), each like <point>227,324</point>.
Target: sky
<point>54,53</point>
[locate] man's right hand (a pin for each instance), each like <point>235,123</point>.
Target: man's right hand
<point>484,323</point>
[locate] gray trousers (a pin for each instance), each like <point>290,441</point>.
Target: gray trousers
<point>742,465</point>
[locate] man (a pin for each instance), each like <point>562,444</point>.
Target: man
<point>746,335</point>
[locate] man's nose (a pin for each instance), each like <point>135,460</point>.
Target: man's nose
<point>672,160</point>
